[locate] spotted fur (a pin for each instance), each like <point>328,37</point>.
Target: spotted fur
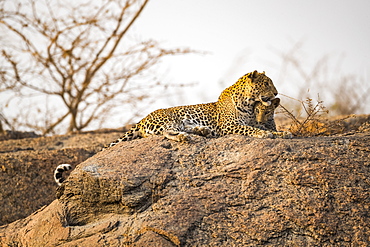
<point>233,113</point>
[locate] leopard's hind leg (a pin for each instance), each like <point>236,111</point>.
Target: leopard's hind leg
<point>177,132</point>
<point>178,136</point>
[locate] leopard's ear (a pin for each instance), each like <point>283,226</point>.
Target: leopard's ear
<point>275,102</point>
<point>253,74</point>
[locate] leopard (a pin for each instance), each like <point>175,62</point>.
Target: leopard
<point>235,111</point>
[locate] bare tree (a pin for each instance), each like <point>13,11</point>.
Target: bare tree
<point>73,52</point>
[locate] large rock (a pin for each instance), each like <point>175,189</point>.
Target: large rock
<point>230,191</point>
<point>27,167</point>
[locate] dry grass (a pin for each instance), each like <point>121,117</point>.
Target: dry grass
<point>315,120</point>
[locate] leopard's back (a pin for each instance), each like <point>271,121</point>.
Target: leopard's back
<point>175,123</point>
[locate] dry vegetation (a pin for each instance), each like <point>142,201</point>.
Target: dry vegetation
<point>67,65</point>
<point>344,92</point>
<point>312,123</point>
<point>313,119</point>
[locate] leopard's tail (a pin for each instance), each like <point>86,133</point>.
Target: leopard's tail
<point>58,173</point>
<point>133,133</point>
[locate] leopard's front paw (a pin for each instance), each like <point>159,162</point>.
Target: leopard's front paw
<point>287,135</point>
<point>184,137</point>
<point>283,134</point>
<point>265,134</point>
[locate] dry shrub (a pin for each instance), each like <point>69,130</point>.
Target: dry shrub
<point>315,121</point>
<point>311,125</point>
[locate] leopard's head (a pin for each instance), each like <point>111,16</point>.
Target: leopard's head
<point>249,89</point>
<point>259,87</point>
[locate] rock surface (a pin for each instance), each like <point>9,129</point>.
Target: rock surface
<point>230,191</point>
<point>27,166</point>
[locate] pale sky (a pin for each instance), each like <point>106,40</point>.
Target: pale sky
<point>244,35</point>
